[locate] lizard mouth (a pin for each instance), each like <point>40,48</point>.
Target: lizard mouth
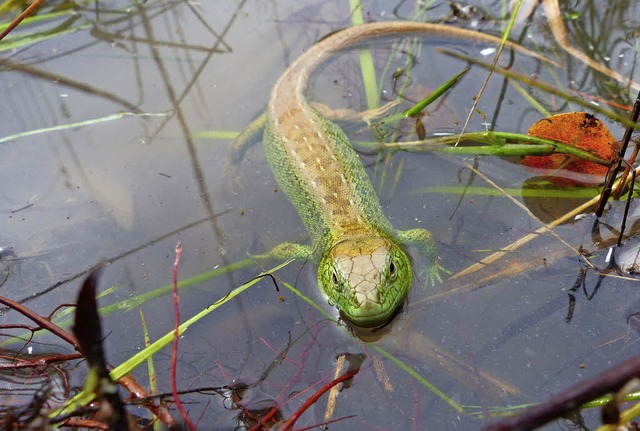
<point>373,306</point>
<point>375,321</point>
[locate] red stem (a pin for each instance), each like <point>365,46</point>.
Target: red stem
<point>176,335</point>
<point>315,397</point>
<point>127,382</point>
<point>20,17</point>
<point>41,321</point>
<point>263,421</point>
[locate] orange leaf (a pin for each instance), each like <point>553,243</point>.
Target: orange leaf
<point>580,130</point>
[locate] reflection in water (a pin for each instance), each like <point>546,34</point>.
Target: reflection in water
<point>578,130</point>
<point>6,253</point>
<point>264,413</point>
<point>548,201</point>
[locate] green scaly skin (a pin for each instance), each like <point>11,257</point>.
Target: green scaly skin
<point>362,267</point>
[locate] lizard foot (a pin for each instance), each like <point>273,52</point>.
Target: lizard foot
<point>287,250</point>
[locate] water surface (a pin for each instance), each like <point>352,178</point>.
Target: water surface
<point>127,190</point>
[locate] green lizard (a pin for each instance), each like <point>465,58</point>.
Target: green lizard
<point>362,266</point>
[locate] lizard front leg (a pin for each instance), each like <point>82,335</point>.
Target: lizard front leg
<point>422,240</point>
<point>288,250</point>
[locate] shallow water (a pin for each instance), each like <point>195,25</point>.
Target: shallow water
<point>127,190</point>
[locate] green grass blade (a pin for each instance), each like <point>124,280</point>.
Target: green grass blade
<point>562,193</point>
<point>418,107</point>
<point>83,398</point>
<point>546,88</point>
<point>40,18</point>
<point>68,126</point>
<point>384,353</point>
<point>497,142</point>
<point>12,43</point>
<point>527,96</point>
<point>366,60</point>
<point>424,382</point>
<point>131,303</point>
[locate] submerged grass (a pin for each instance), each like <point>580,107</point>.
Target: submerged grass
<point>403,366</point>
<point>20,41</point>
<point>92,122</point>
<point>62,319</point>
<point>582,192</point>
<point>83,398</point>
<point>367,66</point>
<point>480,412</point>
<point>539,85</point>
<point>500,144</point>
<point>151,371</point>
<point>60,20</point>
<point>41,18</point>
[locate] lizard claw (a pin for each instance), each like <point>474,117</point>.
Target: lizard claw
<point>434,274</point>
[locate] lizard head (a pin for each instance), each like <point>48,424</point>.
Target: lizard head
<point>367,278</point>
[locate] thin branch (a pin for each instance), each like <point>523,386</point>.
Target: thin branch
<point>476,100</point>
<point>615,168</point>
<point>565,402</point>
<point>20,17</point>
